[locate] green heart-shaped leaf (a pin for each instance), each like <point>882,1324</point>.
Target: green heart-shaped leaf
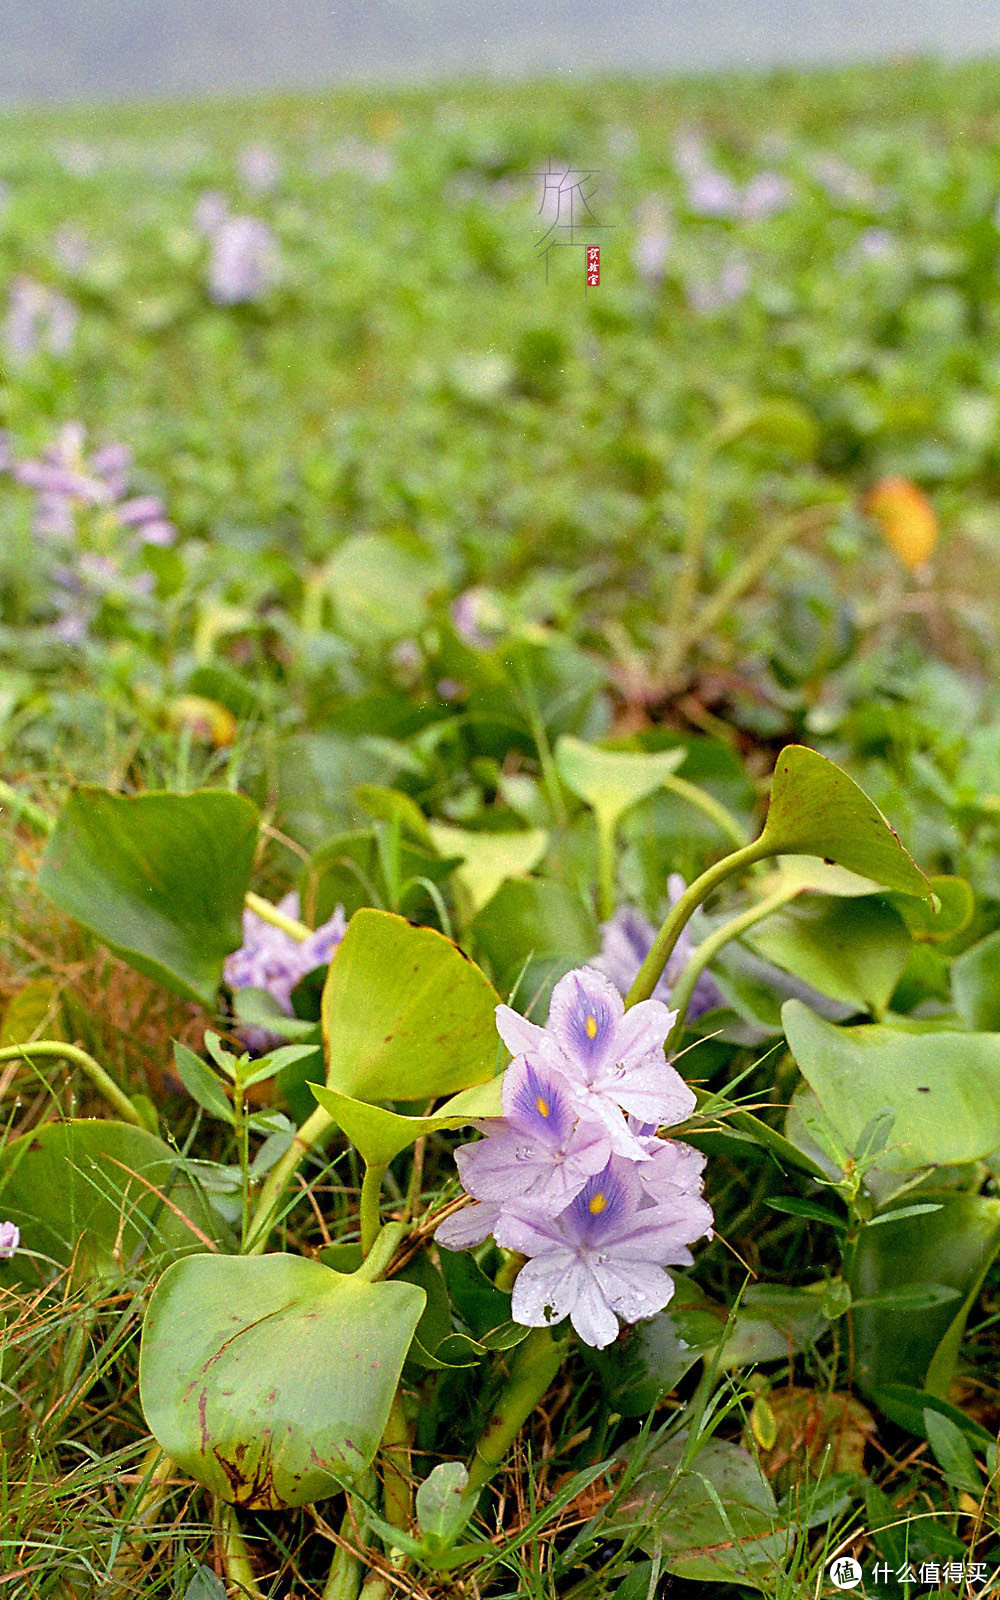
<point>159,878</point>
<point>487,859</point>
<point>817,810</point>
<point>853,949</point>
<point>611,781</point>
<point>269,1378</point>
<point>380,1135</point>
<point>406,1015</point>
<point>103,1196</point>
<point>943,1088</point>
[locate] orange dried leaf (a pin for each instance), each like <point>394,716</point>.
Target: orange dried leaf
<point>907,519</point>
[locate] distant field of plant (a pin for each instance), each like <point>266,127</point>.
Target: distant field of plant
<point>500,953</point>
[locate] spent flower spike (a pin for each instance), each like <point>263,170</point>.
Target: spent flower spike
<point>574,1175</point>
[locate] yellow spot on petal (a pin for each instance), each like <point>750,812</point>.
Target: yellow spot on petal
<point>542,1107</point>
<point>590,1027</point>
<point>596,1203</point>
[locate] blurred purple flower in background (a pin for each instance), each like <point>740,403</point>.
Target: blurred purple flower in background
<point>39,320</point>
<point>651,250</point>
<point>259,167</point>
<point>730,286</point>
<point>211,210</point>
<point>272,960</point>
<point>71,248</point>
<point>711,193</point>
<point>626,941</point>
<point>10,1239</point>
<point>85,516</point>
<point>244,263</point>
<point>594,1198</point>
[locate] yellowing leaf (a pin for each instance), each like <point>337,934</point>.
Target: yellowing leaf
<point>907,519</point>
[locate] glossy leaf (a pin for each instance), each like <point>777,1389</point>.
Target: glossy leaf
<point>817,810</point>
<point>159,878</point>
<point>406,1015</point>
<point>488,859</point>
<point>535,930</point>
<point>718,1524</point>
<point>975,984</point>
<point>853,949</point>
<point>379,584</point>
<point>103,1196</point>
<point>269,1378</point>
<point>380,1135</point>
<point>952,1247</point>
<point>610,781</point>
<point>943,1088</point>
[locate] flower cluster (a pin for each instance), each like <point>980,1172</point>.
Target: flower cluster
<point>574,1175</point>
<point>85,515</point>
<point>271,959</point>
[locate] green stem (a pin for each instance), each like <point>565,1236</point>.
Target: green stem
<point>371,1189</point>
<point>605,867</point>
<point>24,810</point>
<point>709,948</point>
<point>535,1363</point>
<point>269,913</point>
<point>754,565</point>
<point>713,809</point>
<point>679,630</point>
<point>394,1451</point>
<point>387,1242</point>
<point>651,970</point>
<point>312,1135</point>
<point>103,1083</point>
<point>235,1556</point>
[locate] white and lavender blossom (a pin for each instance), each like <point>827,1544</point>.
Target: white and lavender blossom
<point>613,1058</point>
<point>603,1257</point>
<point>272,960</point>
<point>574,1175</point>
<point>10,1239</point>
<point>543,1149</point>
<point>244,264</point>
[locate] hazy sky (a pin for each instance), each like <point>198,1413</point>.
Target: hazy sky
<point>85,49</point>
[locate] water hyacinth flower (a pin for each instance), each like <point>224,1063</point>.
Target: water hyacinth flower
<point>272,960</point>
<point>574,1174</point>
<point>603,1257</point>
<point>244,263</point>
<point>613,1058</point>
<point>10,1239</point>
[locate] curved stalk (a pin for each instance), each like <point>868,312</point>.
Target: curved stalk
<point>269,913</point>
<point>536,1361</point>
<point>102,1081</point>
<point>710,947</point>
<point>650,972</point>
